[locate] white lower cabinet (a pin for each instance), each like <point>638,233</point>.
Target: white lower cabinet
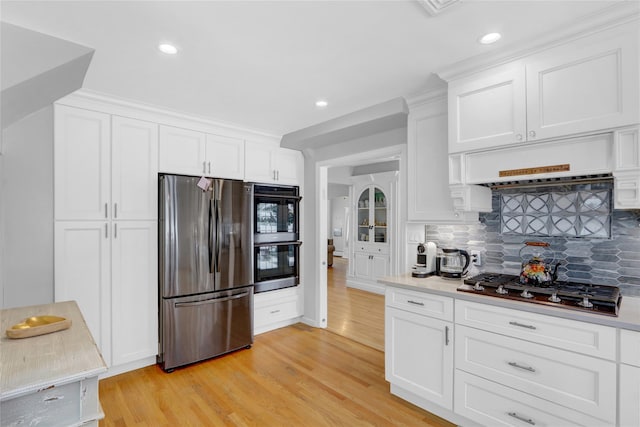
<point>492,404</point>
<point>418,348</point>
<point>110,270</point>
<point>275,309</point>
<point>629,391</point>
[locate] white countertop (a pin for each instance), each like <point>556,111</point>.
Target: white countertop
<point>31,364</point>
<point>628,315</point>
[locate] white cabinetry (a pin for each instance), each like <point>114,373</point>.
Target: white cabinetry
<point>524,352</point>
<point>276,309</point>
<point>189,152</point>
<point>419,346</point>
<point>626,169</point>
<point>269,164</point>
<point>105,227</point>
<point>429,197</point>
<point>629,394</point>
<point>586,85</point>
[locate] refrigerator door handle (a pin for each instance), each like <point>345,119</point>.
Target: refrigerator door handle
<point>211,237</point>
<point>211,300</point>
<point>218,235</point>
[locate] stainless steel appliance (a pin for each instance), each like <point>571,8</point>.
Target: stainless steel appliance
<point>205,268</point>
<point>276,246</point>
<point>454,263</point>
<point>425,260</point>
<point>600,299</point>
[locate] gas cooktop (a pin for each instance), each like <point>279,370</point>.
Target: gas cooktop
<point>599,299</point>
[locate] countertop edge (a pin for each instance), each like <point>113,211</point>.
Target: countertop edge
<point>628,316</point>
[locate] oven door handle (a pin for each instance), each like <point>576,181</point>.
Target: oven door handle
<point>297,243</point>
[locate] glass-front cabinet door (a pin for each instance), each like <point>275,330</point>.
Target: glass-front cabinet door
<point>372,215</point>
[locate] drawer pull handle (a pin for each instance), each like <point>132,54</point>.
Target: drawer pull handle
<point>522,325</point>
<point>446,335</point>
<point>275,311</point>
<point>415,302</point>
<point>523,419</point>
<point>525,368</point>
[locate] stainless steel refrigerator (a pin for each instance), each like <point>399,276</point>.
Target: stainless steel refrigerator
<point>206,268</point>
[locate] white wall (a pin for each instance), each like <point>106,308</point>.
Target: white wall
<point>338,219</point>
<point>27,210</point>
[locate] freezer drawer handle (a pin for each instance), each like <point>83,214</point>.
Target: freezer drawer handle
<point>211,300</point>
<point>522,325</point>
<point>523,419</point>
<point>525,368</point>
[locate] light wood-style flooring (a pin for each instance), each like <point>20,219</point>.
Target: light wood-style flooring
<point>352,313</point>
<point>293,376</point>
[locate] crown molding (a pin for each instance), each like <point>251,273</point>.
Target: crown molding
<point>106,103</point>
<point>420,99</point>
<point>435,7</point>
<point>613,16</point>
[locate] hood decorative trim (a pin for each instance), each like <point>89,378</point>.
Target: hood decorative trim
<point>549,182</point>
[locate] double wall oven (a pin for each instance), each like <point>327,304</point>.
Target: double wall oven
<point>276,244</point>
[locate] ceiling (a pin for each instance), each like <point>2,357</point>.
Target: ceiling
<point>263,64</point>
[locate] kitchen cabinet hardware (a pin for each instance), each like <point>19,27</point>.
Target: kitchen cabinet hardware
<point>115,210</point>
<point>446,335</point>
<point>532,133</point>
<point>106,213</point>
<point>524,368</point>
<point>106,231</point>
<point>415,302</point>
<point>115,231</point>
<point>519,137</point>
<point>522,325</point>
<point>523,419</point>
<point>275,311</point>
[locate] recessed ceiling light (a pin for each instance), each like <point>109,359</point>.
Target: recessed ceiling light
<point>167,48</point>
<point>490,38</point>
<point>321,103</point>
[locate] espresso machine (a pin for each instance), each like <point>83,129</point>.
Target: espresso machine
<point>425,260</point>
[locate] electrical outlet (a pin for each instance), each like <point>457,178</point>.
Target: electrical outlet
<point>476,259</point>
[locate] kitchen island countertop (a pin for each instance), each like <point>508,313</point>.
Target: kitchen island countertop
<point>628,315</point>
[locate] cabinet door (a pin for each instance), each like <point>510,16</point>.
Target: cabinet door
<point>584,86</point>
<point>82,273</point>
<point>81,158</point>
<point>225,157</point>
<point>182,151</point>
<point>134,171</point>
<point>288,166</point>
<point>419,355</point>
<point>258,163</point>
<point>487,109</point>
<point>362,267</point>
<point>380,266</point>
<point>629,396</point>
<point>134,290</point>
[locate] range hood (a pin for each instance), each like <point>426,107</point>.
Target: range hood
<point>586,159</point>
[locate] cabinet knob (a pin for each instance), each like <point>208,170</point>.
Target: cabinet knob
<point>532,133</point>
<point>519,137</point>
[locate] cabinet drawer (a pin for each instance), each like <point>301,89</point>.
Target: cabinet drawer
<point>423,303</point>
<point>372,248</point>
<point>492,404</point>
<point>63,405</point>
<point>282,310</point>
<point>573,380</point>
<point>630,347</point>
<point>581,337</point>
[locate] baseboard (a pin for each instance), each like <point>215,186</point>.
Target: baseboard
<point>131,366</point>
<point>277,325</point>
<point>373,287</point>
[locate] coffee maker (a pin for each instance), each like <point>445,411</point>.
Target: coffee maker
<point>425,260</point>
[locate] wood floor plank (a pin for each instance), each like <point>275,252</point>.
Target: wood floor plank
<point>293,376</point>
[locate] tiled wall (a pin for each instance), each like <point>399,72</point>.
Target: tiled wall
<point>614,261</point>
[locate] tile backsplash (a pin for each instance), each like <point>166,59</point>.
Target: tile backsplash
<point>614,261</point>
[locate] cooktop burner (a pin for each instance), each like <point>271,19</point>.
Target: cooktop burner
<point>600,299</point>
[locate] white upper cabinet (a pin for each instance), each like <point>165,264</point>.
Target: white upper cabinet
<point>269,164</point>
<point>487,109</point>
<point>189,152</point>
<point>82,164</point>
<point>585,85</point>
<point>225,157</point>
<point>134,156</point>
